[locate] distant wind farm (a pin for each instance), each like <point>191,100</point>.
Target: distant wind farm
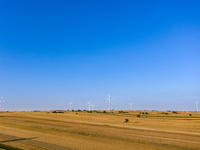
<point>99,75</point>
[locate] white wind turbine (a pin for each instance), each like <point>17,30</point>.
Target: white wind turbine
<point>196,105</point>
<point>1,102</point>
<point>89,103</point>
<point>70,105</point>
<point>130,105</point>
<point>109,98</point>
<point>92,107</point>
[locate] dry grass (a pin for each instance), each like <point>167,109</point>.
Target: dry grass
<point>82,130</point>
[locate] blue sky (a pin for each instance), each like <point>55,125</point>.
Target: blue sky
<point>141,52</point>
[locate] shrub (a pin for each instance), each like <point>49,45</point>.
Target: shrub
<point>121,111</point>
<point>104,111</point>
<point>143,113</point>
<point>138,115</point>
<point>126,120</point>
<point>60,112</point>
<point>57,112</point>
<point>174,112</point>
<point>36,110</point>
<point>146,113</point>
<point>190,114</point>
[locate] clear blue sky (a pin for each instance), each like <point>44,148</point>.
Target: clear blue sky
<point>143,52</point>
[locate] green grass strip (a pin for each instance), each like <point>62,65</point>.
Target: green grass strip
<point>7,147</point>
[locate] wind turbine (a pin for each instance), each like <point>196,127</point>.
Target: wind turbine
<point>196,105</point>
<point>1,102</point>
<point>70,105</point>
<point>92,107</point>
<point>109,98</point>
<point>89,103</point>
<point>130,105</point>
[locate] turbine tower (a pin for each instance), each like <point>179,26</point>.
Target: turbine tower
<point>109,98</point>
<point>196,105</point>
<point>130,105</point>
<point>70,105</point>
<point>89,103</point>
<point>1,103</point>
<point>92,107</point>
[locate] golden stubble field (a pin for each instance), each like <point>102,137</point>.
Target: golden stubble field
<point>100,131</point>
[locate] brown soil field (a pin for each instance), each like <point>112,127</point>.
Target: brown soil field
<point>100,131</point>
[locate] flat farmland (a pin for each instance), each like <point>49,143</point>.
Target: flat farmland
<point>100,130</point>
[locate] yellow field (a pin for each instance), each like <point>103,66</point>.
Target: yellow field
<point>100,131</point>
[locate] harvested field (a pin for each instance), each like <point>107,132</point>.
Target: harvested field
<point>97,130</point>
